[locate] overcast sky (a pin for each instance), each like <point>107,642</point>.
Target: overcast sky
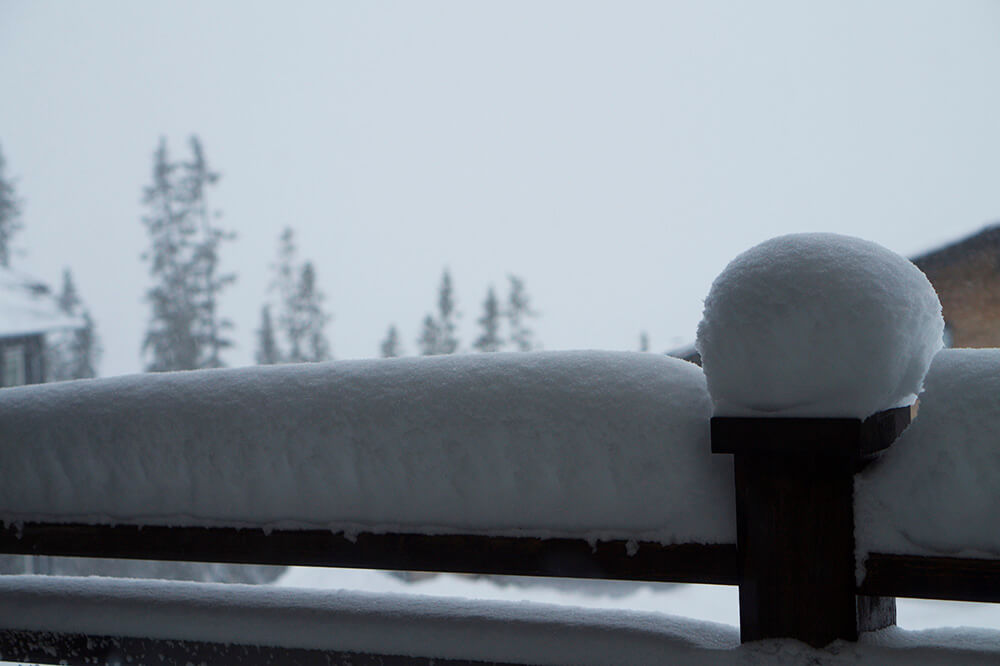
<point>615,155</point>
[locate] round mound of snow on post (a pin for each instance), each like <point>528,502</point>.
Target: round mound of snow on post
<point>818,325</point>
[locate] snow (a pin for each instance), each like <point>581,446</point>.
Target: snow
<point>352,621</point>
<point>586,444</point>
<point>936,491</point>
<point>28,307</point>
<point>418,625</point>
<point>818,325</point>
<point>710,603</point>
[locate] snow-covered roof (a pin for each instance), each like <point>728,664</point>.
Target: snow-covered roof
<point>27,306</point>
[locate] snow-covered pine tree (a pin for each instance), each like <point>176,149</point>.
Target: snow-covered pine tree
<point>644,342</point>
<point>185,331</point>
<point>391,346</point>
<point>72,354</point>
<point>489,340</point>
<point>518,311</point>
<point>267,346</point>
<point>10,214</point>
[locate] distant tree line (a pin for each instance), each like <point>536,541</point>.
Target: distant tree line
<point>185,329</point>
<point>298,335</point>
<point>501,326</point>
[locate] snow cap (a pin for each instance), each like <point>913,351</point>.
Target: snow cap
<point>818,325</point>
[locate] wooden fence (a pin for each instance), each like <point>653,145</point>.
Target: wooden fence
<point>794,559</point>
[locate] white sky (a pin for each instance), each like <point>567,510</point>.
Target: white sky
<point>615,155</point>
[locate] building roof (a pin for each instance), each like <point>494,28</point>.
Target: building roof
<point>27,306</point>
<point>986,239</point>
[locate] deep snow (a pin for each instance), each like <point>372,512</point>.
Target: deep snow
<point>818,325</point>
<point>591,444</point>
<point>936,491</point>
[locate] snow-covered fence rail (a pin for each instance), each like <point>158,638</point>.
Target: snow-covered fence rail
<point>583,464</point>
<point>928,513</point>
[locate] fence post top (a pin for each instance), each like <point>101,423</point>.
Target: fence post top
<point>818,325</point>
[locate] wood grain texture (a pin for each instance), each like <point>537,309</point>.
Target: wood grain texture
<point>923,577</point>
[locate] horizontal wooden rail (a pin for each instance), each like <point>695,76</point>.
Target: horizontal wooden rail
<point>458,553</point>
<point>923,577</point>
<point>42,647</point>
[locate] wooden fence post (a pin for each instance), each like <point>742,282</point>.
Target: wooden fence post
<point>795,523</point>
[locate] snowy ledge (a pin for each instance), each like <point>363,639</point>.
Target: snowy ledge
<point>597,445</point>
<point>936,490</point>
<point>40,609</point>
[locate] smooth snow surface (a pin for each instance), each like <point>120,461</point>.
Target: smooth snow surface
<point>412,625</point>
<point>818,325</point>
<point>936,491</point>
<point>590,444</point>
<point>353,621</point>
<point>711,603</point>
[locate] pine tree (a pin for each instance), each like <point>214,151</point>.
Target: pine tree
<point>10,215</point>
<point>84,350</point>
<point>489,340</point>
<point>284,284</point>
<point>391,347</point>
<point>209,282</point>
<point>643,342</point>
<point>267,346</point>
<point>169,338</point>
<point>72,354</point>
<point>518,311</point>
<point>301,316</point>
<point>437,334</point>
<point>429,341</point>
<point>185,330</point>
<point>447,341</point>
<point>309,305</point>
<point>68,299</point>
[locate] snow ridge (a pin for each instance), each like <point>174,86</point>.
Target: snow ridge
<point>595,444</point>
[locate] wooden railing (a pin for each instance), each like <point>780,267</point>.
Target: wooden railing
<point>793,560</point>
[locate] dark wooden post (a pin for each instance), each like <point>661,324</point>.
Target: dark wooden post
<point>795,523</point>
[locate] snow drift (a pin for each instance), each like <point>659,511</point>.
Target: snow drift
<point>591,444</point>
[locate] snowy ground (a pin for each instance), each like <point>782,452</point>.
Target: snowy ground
<point>370,611</point>
<point>714,603</point>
